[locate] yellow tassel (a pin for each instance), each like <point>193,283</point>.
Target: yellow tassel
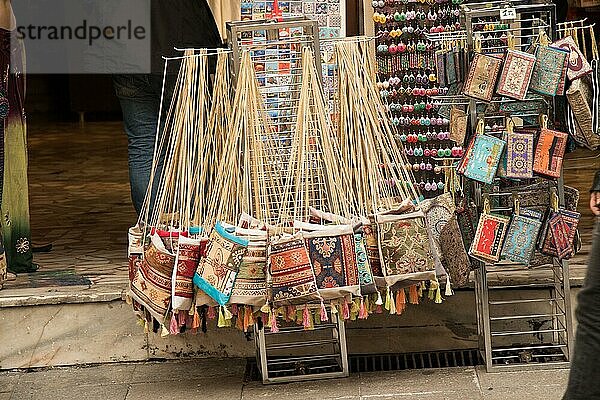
<point>388,300</point>
<point>448,286</point>
<point>438,295</point>
<point>392,304</point>
<point>355,307</point>
<point>164,332</point>
<point>265,308</point>
<point>228,314</point>
<point>221,322</point>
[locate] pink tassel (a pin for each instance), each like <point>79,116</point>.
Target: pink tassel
<point>379,309</point>
<point>291,313</point>
<point>234,309</point>
<point>362,312</point>
<point>181,318</point>
<point>173,328</point>
<point>273,321</point>
<point>212,313</point>
<point>306,318</point>
<point>324,315</point>
<point>346,310</point>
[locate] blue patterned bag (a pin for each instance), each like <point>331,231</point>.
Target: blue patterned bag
<point>484,158</point>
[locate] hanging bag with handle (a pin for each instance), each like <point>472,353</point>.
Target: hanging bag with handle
<point>483,75</point>
<point>595,78</point>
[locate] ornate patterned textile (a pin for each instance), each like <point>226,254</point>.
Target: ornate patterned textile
<point>521,236</point>
<point>548,71</point>
<point>438,212</point>
<point>580,100</point>
<point>365,275</point>
<point>186,260</point>
<point>484,158</point>
<point>135,251</point>
<point>151,286</point>
<point>250,287</point>
<point>483,74</point>
<point>405,248</point>
<point>293,279</point>
<point>372,244</point>
<point>458,125</point>
<point>455,257</point>
<point>332,254</point>
<point>519,155</point>
<point>578,65</point>
<point>466,215</point>
<point>549,152</point>
<point>516,74</point>
<point>489,237</point>
<point>563,227</point>
<point>217,271</point>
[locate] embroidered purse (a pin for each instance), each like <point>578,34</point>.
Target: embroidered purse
<point>522,234</point>
<point>580,102</point>
<point>405,248</point>
<point>519,155</point>
<point>549,72</point>
<point>135,251</point>
<point>250,287</point>
<point>186,261</point>
<point>454,253</point>
<point>577,65</point>
<point>489,237</point>
<point>217,272</point>
<point>549,152</point>
<point>440,67</point>
<point>333,257</point>
<point>438,211</point>
<point>563,228</point>
<point>482,77</point>
<point>516,74</point>
<point>151,286</point>
<point>293,280</point>
<point>458,125</point>
<point>484,158</point>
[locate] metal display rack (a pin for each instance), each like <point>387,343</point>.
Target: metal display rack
<point>534,328</point>
<point>289,355</point>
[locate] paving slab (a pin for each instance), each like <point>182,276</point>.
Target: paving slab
<point>522,379</point>
<point>232,368</point>
<point>8,381</point>
<point>449,395</point>
<point>103,374</point>
<point>59,391</point>
<point>531,393</point>
<point>205,389</point>
<point>345,388</point>
<point>435,381</point>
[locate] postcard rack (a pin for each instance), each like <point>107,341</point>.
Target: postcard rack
<point>533,327</point>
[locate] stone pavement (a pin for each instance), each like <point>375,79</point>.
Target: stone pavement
<point>223,379</point>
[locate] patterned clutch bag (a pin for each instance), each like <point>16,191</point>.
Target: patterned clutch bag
<point>456,260</point>
<point>484,158</point>
<point>563,227</point>
<point>489,237</point>
<point>458,125</point>
<point>440,65</point>
<point>578,66</point>
<point>519,155</point>
<point>549,152</point>
<point>521,236</point>
<point>451,76</point>
<point>549,71</point>
<point>404,248</point>
<point>516,74</point>
<point>482,77</point>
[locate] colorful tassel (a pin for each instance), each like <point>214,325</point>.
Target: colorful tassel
<point>400,301</point>
<point>413,295</point>
<point>248,318</point>
<point>323,314</point>
<point>305,318</point>
<point>265,308</point>
<point>317,318</point>
<point>432,287</point>
<point>212,313</point>
<point>346,310</point>
<point>388,300</point>
<point>438,295</point>
<point>164,332</point>
<point>234,309</point>
<point>239,322</point>
<point>420,289</point>
<point>173,326</point>
<point>146,327</point>
<point>221,321</point>
<point>362,310</point>
<point>379,309</point>
<point>273,321</point>
<point>227,313</point>
<point>334,309</point>
<point>195,321</point>
<point>448,287</point>
<point>379,301</point>
<point>392,303</point>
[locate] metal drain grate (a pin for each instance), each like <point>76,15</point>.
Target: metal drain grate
<point>395,362</point>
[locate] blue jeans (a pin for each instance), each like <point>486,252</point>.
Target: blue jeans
<point>140,96</point>
<point>584,378</point>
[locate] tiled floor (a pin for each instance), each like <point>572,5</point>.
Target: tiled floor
<point>80,203</point>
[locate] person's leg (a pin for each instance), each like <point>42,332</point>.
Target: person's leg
<point>584,377</point>
<point>139,105</point>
